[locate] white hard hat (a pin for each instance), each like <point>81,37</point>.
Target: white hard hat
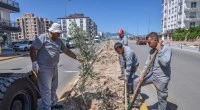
<point>55,28</point>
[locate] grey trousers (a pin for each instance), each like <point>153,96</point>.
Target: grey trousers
<point>122,64</point>
<point>130,84</point>
<point>48,83</point>
<point>161,87</point>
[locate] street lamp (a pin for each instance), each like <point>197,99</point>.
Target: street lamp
<point>137,28</point>
<point>149,21</point>
<point>149,24</point>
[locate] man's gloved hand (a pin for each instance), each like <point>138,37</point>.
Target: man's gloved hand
<point>82,60</point>
<point>35,67</point>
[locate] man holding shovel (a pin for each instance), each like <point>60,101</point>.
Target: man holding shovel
<point>131,61</point>
<point>45,53</point>
<point>158,73</point>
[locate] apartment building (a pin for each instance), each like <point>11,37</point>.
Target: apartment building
<point>47,24</point>
<point>179,14</point>
<point>83,22</point>
<point>31,27</point>
<point>6,25</point>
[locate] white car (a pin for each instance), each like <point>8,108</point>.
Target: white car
<point>24,46</point>
<point>96,40</point>
<point>70,43</point>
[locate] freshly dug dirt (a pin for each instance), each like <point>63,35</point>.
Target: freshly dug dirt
<point>104,91</point>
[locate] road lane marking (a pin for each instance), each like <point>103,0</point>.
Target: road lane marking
<point>8,61</point>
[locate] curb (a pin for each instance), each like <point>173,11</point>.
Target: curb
<point>8,58</point>
<point>66,92</point>
<point>186,50</point>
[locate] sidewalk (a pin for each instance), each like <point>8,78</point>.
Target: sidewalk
<point>10,54</point>
<point>182,45</point>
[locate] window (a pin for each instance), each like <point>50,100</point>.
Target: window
<point>192,14</point>
<point>64,22</point>
<point>81,20</point>
<point>81,25</point>
<point>192,24</point>
<point>193,4</point>
<point>0,14</point>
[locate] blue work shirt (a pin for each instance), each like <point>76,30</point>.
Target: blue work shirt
<point>48,53</point>
<point>124,41</point>
<point>131,61</point>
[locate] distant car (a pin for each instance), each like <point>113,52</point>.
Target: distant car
<point>141,41</point>
<point>23,46</point>
<point>96,40</point>
<point>69,43</point>
<point>87,41</point>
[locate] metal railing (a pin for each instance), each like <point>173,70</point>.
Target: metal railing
<point>7,23</point>
<point>11,3</point>
<point>191,8</point>
<point>192,18</point>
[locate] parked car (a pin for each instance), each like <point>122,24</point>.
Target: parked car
<point>23,46</point>
<point>141,41</point>
<point>69,43</point>
<point>87,41</point>
<point>96,40</point>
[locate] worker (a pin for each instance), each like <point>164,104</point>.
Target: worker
<point>123,41</point>
<point>131,62</point>
<point>45,53</point>
<point>159,73</point>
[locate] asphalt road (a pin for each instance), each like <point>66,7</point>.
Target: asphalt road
<point>67,69</point>
<point>23,65</point>
<point>184,85</point>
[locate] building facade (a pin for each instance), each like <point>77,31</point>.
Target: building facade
<point>179,14</point>
<point>6,25</point>
<point>83,22</point>
<point>31,27</point>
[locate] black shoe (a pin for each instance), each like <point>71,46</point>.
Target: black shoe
<point>121,77</point>
<point>57,106</point>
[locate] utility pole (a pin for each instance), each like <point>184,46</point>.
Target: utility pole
<point>65,19</point>
<point>137,28</point>
<point>127,33</point>
<point>149,24</point>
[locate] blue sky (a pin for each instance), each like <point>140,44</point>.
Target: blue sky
<point>109,15</point>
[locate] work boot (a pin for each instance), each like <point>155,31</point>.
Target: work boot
<point>57,106</point>
<point>121,77</point>
<point>137,103</point>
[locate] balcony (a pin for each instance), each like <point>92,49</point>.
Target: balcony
<point>6,25</point>
<point>180,3</point>
<point>180,11</point>
<point>192,9</point>
<point>192,18</point>
<point>10,5</point>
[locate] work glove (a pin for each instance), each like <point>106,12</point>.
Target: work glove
<point>35,67</point>
<point>82,60</point>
